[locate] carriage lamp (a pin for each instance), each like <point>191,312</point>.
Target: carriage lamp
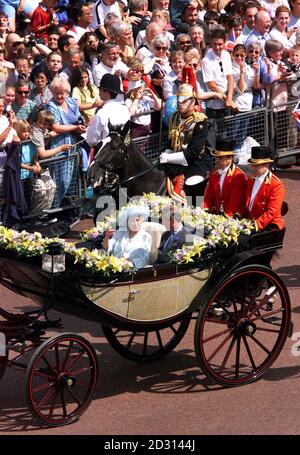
<point>54,259</point>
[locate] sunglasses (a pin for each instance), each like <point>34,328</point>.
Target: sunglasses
<point>138,71</point>
<point>23,92</point>
<point>239,55</point>
<point>252,51</point>
<point>16,43</point>
<point>161,48</point>
<point>194,65</point>
<point>185,42</point>
<point>221,66</point>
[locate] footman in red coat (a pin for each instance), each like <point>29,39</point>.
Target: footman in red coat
<point>264,192</point>
<point>225,191</point>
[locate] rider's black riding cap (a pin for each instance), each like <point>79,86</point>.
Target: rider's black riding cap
<point>111,83</point>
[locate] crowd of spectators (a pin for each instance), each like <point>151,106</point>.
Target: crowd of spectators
<point>54,53</point>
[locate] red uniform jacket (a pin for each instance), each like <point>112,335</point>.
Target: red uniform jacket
<point>233,192</point>
<point>266,208</point>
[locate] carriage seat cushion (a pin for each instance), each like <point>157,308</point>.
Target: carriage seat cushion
<point>155,230</point>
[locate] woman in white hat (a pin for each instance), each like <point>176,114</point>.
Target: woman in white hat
<point>130,241</point>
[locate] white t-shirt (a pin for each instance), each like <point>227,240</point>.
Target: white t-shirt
<point>100,11</point>
<point>243,99</point>
<point>78,32</point>
<point>145,104</point>
<point>276,34</point>
<point>101,69</point>
<point>216,69</point>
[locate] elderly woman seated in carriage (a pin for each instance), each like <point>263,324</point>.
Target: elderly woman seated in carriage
<point>130,240</point>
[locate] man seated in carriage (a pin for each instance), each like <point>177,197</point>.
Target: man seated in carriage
<point>175,236</point>
<point>225,191</point>
<point>188,135</point>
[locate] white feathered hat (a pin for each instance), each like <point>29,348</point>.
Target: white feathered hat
<point>133,210</point>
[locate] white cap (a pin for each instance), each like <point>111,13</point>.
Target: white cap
<point>135,84</point>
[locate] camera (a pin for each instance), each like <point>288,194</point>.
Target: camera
<point>291,67</point>
<point>249,61</point>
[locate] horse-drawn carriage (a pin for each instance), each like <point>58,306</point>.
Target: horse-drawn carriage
<point>241,307</point>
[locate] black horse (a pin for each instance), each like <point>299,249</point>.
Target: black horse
<point>120,165</point>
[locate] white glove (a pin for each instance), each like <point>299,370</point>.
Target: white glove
<point>173,158</point>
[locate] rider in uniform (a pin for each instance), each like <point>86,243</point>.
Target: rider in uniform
<point>225,191</point>
<point>187,135</point>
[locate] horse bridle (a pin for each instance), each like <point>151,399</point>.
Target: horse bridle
<point>111,178</point>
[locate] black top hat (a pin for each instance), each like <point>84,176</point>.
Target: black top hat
<point>224,147</point>
<point>111,83</point>
<point>260,155</point>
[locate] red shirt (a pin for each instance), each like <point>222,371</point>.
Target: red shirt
<point>41,16</point>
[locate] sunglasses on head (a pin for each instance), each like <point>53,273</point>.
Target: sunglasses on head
<point>23,92</point>
<point>161,48</point>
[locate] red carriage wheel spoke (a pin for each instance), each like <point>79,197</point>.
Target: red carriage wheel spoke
<point>63,365</point>
<point>264,329</point>
<point>225,360</point>
<point>74,360</point>
<point>220,346</point>
<point>263,302</point>
<point>46,398</point>
<point>260,345</point>
<point>42,387</point>
<point>80,371</point>
<point>237,357</point>
<point>63,403</point>
<point>57,358</point>
<point>52,405</point>
<point>212,337</point>
<point>42,374</point>
<point>48,365</point>
<point>74,397</point>
<point>249,352</point>
<point>266,315</point>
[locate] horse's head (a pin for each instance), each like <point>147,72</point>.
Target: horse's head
<point>103,172</point>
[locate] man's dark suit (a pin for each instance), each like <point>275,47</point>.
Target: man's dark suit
<point>167,245</point>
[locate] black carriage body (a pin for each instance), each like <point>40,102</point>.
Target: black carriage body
<point>25,276</point>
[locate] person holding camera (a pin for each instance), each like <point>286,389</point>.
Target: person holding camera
<point>140,100</point>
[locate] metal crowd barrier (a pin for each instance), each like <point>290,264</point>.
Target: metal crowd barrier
<point>285,134</point>
<point>65,172</point>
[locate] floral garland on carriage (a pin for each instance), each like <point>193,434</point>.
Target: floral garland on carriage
<point>220,232</point>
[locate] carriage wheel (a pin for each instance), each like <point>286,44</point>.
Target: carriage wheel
<point>144,346</point>
<point>61,378</point>
<point>242,329</point>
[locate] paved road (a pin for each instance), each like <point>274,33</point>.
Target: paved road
<point>171,396</point>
